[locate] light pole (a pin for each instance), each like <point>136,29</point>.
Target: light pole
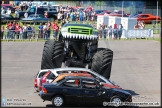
<point>157,15</point>
<point>122,7</point>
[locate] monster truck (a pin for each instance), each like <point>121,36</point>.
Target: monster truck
<point>77,46</point>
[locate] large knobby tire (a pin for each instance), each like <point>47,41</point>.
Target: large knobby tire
<point>58,101</point>
<point>102,62</point>
<point>53,54</point>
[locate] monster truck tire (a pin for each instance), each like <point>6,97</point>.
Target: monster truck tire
<point>102,61</point>
<point>53,54</point>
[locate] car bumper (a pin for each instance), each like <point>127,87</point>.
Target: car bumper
<point>44,97</point>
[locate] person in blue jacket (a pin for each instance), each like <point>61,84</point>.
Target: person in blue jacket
<point>81,15</point>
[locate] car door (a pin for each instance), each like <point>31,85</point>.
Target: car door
<point>91,94</point>
<point>72,91</point>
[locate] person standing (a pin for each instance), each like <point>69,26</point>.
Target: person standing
<point>115,31</point>
<point>120,30</point>
<point>46,14</point>
<point>21,32</point>
<point>24,31</point>
<point>136,26</point>
<point>55,30</point>
<point>40,28</point>
<point>2,32</point>
<point>72,16</point>
<point>110,31</point>
<point>17,30</point>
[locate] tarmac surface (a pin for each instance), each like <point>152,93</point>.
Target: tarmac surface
<point>135,68</point>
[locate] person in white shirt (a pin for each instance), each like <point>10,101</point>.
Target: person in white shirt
<point>2,11</point>
<point>45,31</point>
<point>8,11</point>
<point>84,15</point>
<point>59,17</point>
<point>26,15</point>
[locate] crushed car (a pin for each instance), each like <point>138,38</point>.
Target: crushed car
<point>85,91</point>
<point>49,75</point>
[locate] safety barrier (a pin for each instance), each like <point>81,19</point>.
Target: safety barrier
<point>139,33</point>
<point>35,35</point>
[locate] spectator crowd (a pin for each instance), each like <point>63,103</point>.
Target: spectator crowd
<point>15,31</point>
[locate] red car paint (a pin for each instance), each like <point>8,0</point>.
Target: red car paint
<point>43,79</point>
<point>111,86</point>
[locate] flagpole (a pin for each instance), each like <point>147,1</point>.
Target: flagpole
<point>36,12</point>
<point>122,7</point>
<point>157,15</point>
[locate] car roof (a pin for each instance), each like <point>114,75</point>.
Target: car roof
<point>144,14</point>
<point>71,69</point>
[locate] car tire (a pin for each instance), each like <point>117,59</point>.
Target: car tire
<point>53,54</point>
<point>116,101</point>
<point>58,101</point>
<point>102,62</point>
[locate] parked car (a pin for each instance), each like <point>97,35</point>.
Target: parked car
<point>148,18</point>
<point>51,14</point>
<point>55,72</point>
<point>6,6</point>
<point>35,19</point>
<point>133,15</point>
<point>104,12</point>
<point>88,91</point>
<point>99,11</point>
<point>6,18</point>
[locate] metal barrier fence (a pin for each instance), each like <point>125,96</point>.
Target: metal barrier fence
<point>27,22</point>
<point>36,35</point>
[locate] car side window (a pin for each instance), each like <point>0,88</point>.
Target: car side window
<point>41,74</point>
<point>51,76</point>
<point>72,83</point>
<point>88,84</point>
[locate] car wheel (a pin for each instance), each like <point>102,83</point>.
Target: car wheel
<point>53,54</point>
<point>58,101</point>
<point>102,61</point>
<point>116,101</point>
